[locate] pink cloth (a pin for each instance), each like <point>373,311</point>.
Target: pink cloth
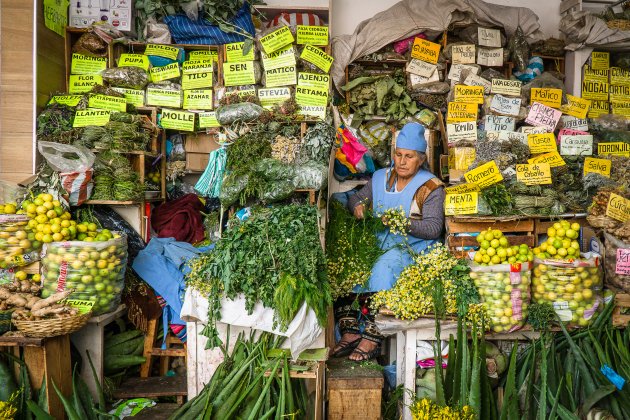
<point>351,148</point>
<point>401,47</point>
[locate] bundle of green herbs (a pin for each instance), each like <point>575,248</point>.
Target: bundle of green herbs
<point>274,257</point>
<point>54,123</point>
<point>318,141</point>
<point>534,199</point>
<point>568,184</point>
<point>114,178</point>
<point>505,153</point>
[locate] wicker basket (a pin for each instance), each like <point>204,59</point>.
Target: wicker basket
<point>52,327</point>
<point>5,320</point>
<point>621,24</point>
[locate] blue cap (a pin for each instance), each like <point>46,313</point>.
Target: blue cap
<point>412,137</point>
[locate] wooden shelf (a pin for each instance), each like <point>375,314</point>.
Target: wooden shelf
<point>113,202</point>
<point>129,152</point>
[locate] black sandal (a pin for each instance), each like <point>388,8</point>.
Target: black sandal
<point>346,347</point>
<point>366,355</point>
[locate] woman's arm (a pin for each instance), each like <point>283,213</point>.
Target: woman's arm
<point>363,196</point>
<point>432,222</point>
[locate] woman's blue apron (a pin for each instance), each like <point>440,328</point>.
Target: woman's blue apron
<point>389,265</point>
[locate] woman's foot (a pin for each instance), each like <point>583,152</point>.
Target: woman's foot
<point>345,346</point>
<point>366,350</point>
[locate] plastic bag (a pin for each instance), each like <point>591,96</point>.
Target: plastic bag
<point>126,77</point>
<point>572,287</point>
<point>177,151</point>
<point>491,73</point>
<point>113,221</point>
<point>614,280</point>
<point>231,188</point>
<point>10,192</point>
<point>156,33</point>
<point>545,80</point>
<point>90,44</point>
<point>17,241</point>
<point>518,49</point>
<point>66,158</point>
<point>311,175</point>
<point>504,289</point>
<point>274,170</point>
<point>278,190</point>
<point>402,46</point>
<point>377,136</point>
<point>94,270</point>
<point>244,112</point>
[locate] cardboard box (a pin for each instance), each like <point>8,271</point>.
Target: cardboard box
<point>197,161</point>
<point>201,143</point>
<point>118,13</point>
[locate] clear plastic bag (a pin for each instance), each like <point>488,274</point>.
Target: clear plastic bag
<point>545,80</point>
<point>274,170</point>
<point>95,271</point>
<point>126,77</point>
<point>231,187</point>
<point>504,289</point>
<point>278,190</point>
<point>66,158</point>
<point>572,287</point>
<point>177,151</point>
<point>615,280</point>
<point>17,241</point>
<point>244,112</point>
<point>311,175</point>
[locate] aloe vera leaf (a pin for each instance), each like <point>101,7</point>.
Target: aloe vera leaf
<point>510,403</point>
<point>271,378</point>
<point>474,397</point>
<point>554,407</point>
<point>542,398</point>
<point>595,397</point>
<point>450,369</point>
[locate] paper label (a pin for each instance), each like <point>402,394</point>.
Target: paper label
<point>533,130</point>
<point>596,75</point>
<point>238,74</point>
<point>455,71</point>
<point>463,54</point>
<point>56,16</point>
<point>197,66</point>
<point>598,108</point>
<point>317,57</point>
<point>534,174</point>
<point>461,111</point>
<point>600,60</point>
<point>471,94</point>
<point>505,105</point>
<point>507,87</point>
<point>134,60</point>
<point>567,132</point>
<point>622,265</point>
<point>165,51</point>
<point>83,83</point>
<point>594,90</point>
<point>159,74</point>
<point>618,208</point>
<point>499,123</point>
<point>162,97</point>
<point>464,203</point>
<point>490,57</point>
<point>70,100</point>
<point>577,145</point>
<point>110,103</point>
<point>282,76</point>
<point>613,149</point>
<point>474,80</point>
<point>208,120</point>
<point>234,53</point>
<point>549,97</point>
<point>621,108</point>
<point>274,96</point>
<point>573,123</point>
<point>82,306</point>
<point>277,39</point>
<point>541,143</point>
<point>460,158</point>
<point>284,57</point>
<point>196,80</point>
<point>425,50</point>
<point>311,96</point>
<point>420,68</point>
<point>132,96</point>
<point>245,92</point>
<point>85,64</point>
<point>619,93</point>
<point>314,80</point>
<point>177,120</point>
<point>489,37</point>
<point>553,159</point>
<point>415,80</point>
<point>312,35</point>
<point>506,135</point>
<point>462,188</point>
<point>316,111</point>
<point>211,55</point>
<point>461,131</point>
<point>598,166</point>
<point>543,116</point>
<point>619,76</point>
<point>485,175</point>
<point>96,117</point>
<point>198,99</point>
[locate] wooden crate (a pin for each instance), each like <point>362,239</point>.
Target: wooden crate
<point>621,312</point>
<point>353,395</point>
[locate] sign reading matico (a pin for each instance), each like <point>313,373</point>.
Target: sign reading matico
<point>485,175</point>
<point>178,120</point>
<point>425,50</point>
<point>544,116</point>
<point>549,97</point>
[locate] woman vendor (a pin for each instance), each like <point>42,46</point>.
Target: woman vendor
<point>409,185</point>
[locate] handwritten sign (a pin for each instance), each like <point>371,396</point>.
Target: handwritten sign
<point>499,123</point>
<point>196,80</point>
<point>312,35</point>
<point>489,37</point>
<point>471,94</point>
<point>598,166</point>
<point>578,145</point>
<point>165,51</point>
<point>281,58</point>
<point>491,57</point>
<point>170,71</point>
<point>474,80</point>
<point>314,80</point>
<point>163,97</point>
<point>621,108</point>
<point>208,119</point>
<point>274,96</point>
<point>506,135</point>
<point>504,105</point>
<point>456,70</point>
<point>595,75</point>
<point>317,57</point>
<point>622,265</point>
<point>83,83</point>
<point>420,68</point>
<point>462,188</point>
<point>507,87</point>
<point>238,74</point>
<point>132,96</point>
<point>485,175</point>
<point>541,143</point>
<point>573,123</point>
<point>595,90</point>
<point>619,76</point>
<point>618,208</point>
<point>533,130</point>
<point>70,100</point>
<point>277,39</point>
<point>134,60</point>
<point>425,50</point>
<point>177,120</point>
<point>198,99</point>
<point>544,116</point>
<point>534,174</point>
<point>463,54</point>
<point>613,149</point>
<point>111,103</point>
<point>85,64</point>
<point>234,53</point>
<point>461,131</point>
<point>549,97</point>
<point>95,117</point>
<point>56,16</point>
<point>415,80</point>
<point>461,111</point>
<point>460,204</point>
<point>567,132</point>
<point>600,60</point>
<point>598,108</point>
<point>553,159</point>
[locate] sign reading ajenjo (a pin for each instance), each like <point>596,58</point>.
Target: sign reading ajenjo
<point>314,80</point>
<point>485,175</point>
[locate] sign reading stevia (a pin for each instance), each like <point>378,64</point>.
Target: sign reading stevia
<point>86,64</point>
<point>134,60</point>
<point>485,175</point>
<point>177,120</point>
<point>461,111</point>
<point>273,96</point>
<point>618,208</point>
<point>460,204</point>
<point>164,51</point>
<point>425,50</point>
<point>312,35</point>
<point>598,166</point>
<point>238,74</point>
<point>317,57</point>
<point>234,53</point>
<point>534,174</point>
<point>96,117</point>
<point>276,40</point>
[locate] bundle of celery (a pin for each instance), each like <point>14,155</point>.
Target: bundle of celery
<point>249,384</point>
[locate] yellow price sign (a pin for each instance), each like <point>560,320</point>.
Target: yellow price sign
<point>197,66</point>
<point>238,74</point>
<point>177,120</point>
<point>211,55</point>
<point>170,71</point>
<point>541,143</point>
<point>462,111</point>
<point>86,117</point>
<point>277,39</point>
<point>576,107</point>
<point>273,96</point>
<point>163,97</point>
<point>70,100</point>
<point>425,50</point>
<point>597,91</point>
<point>463,203</point>
<point>619,93</point>
<point>132,96</point>
<point>618,208</point>
<point>549,97</point>
<point>312,35</point>
<point>111,103</point>
<point>165,51</point>
<point>462,188</point>
<point>281,76</point>
<point>85,64</point>
<point>134,60</point>
<point>619,76</point>
<point>311,96</point>
<point>82,83</point>
<point>196,80</point>
<point>597,166</point>
<point>613,149</point>
<point>234,53</point>
<point>596,75</point>
<point>534,174</point>
<point>598,108</point>
<point>485,175</point>
<point>471,94</point>
<point>208,120</point>
<point>83,306</point>
<point>600,60</point>
<point>553,159</point>
<point>198,99</point>
<point>317,57</point>
<point>621,108</point>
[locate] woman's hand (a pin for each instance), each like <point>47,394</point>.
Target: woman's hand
<point>358,211</point>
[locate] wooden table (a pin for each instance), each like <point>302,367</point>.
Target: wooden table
<point>47,359</point>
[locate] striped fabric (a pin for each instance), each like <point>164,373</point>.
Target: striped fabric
<point>294,19</point>
<point>209,184</point>
<point>78,185</point>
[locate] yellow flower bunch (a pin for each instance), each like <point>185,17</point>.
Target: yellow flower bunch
<point>7,408</point>
<point>478,316</point>
<point>426,409</point>
<point>397,221</point>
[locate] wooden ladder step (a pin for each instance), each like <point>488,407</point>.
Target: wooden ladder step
<point>152,387</point>
<point>162,411</point>
<point>157,351</point>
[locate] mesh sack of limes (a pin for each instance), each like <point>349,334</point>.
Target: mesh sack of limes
<point>502,274</point>
<point>94,268</point>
